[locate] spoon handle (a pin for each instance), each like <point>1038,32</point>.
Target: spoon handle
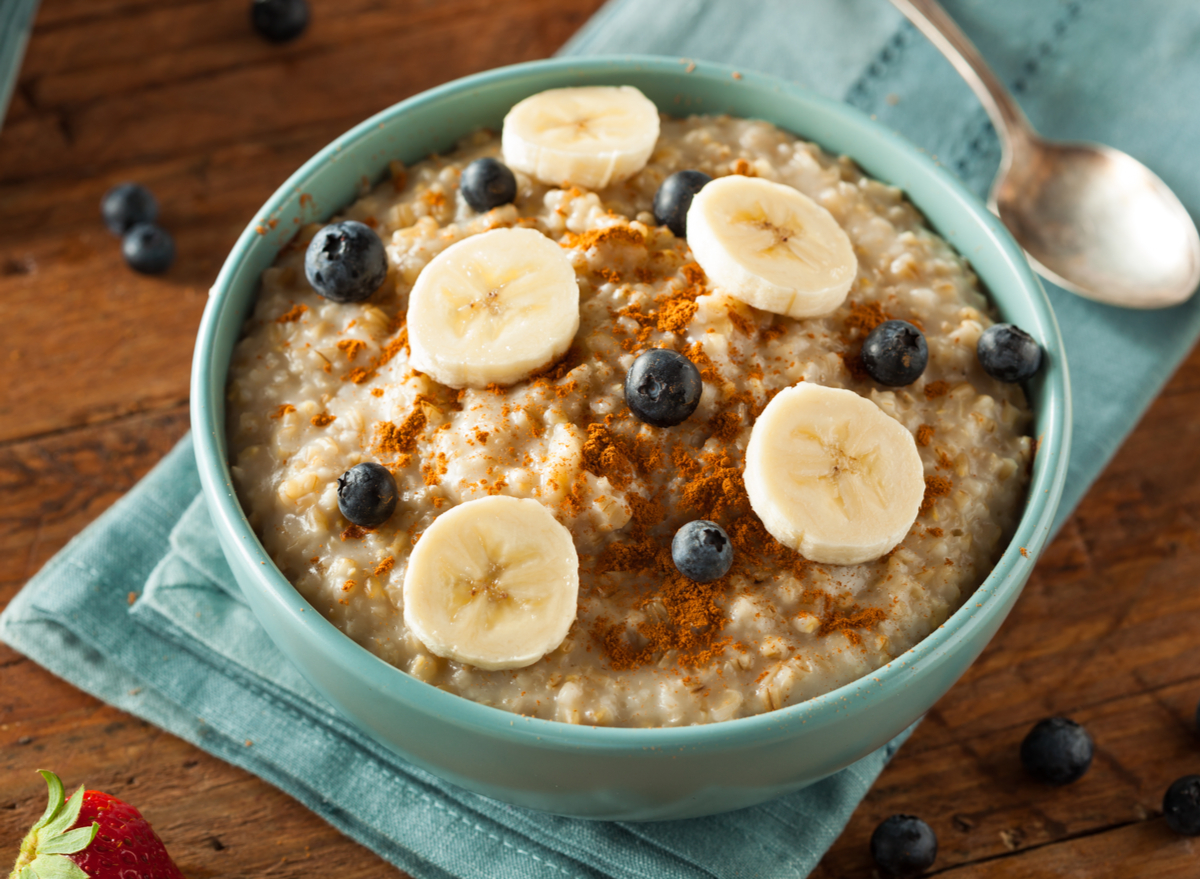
<point>931,19</point>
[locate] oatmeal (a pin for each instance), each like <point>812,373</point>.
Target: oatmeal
<point>318,387</point>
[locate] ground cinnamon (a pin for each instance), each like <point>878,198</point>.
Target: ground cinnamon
<point>740,322</point>
<point>935,487</point>
<point>396,441</point>
<point>725,426</point>
<point>292,315</point>
<point>604,455</point>
<point>351,347</point>
<point>852,360</point>
<point>865,316</point>
<point>619,233</point>
<point>933,390</point>
<point>848,620</point>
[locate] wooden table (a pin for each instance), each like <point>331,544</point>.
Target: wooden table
<point>182,96</point>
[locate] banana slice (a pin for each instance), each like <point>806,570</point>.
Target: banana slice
<point>832,475</point>
<point>493,583</point>
<point>590,136</point>
<point>493,308</point>
<point>771,246</point>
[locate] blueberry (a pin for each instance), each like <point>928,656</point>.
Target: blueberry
<point>367,494</point>
<point>701,551</point>
<point>126,205</point>
<point>1057,751</point>
<point>674,197</point>
<point>904,845</point>
<point>148,249</point>
<point>663,387</point>
<point>279,20</point>
<point>487,183</point>
<point>1181,806</point>
<point>1008,353</point>
<point>345,262</point>
<point>895,353</point>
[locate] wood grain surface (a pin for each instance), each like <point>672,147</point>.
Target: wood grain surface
<point>183,97</point>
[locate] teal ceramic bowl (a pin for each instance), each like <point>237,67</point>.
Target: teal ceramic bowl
<point>627,774</point>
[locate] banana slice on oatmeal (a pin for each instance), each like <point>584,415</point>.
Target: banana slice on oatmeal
<point>493,583</point>
<point>493,308</point>
<point>590,136</point>
<point>771,246</point>
<point>832,475</point>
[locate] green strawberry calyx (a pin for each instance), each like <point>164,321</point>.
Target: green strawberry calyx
<point>45,848</point>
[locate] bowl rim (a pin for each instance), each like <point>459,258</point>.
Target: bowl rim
<point>1009,573</point>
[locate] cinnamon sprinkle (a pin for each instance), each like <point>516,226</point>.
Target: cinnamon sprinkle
<point>725,426</point>
<point>865,316</point>
<point>740,322</point>
<point>292,315</point>
<point>935,487</point>
<point>604,455</point>
<point>933,390</point>
<point>394,441</point>
<point>620,233</point>
<point>849,620</point>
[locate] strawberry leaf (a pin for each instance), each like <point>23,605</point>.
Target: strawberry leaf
<point>54,783</point>
<point>66,818</point>
<point>56,867</point>
<point>70,842</point>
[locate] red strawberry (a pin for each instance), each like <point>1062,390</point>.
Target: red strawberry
<point>91,835</point>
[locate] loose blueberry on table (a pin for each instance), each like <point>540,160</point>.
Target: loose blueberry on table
<point>702,551</point>
<point>487,183</point>
<point>345,262</point>
<point>367,494</point>
<point>1008,353</point>
<point>126,205</point>
<point>1181,806</point>
<point>279,20</point>
<point>662,387</point>
<point>895,353</point>
<point>148,249</point>
<point>1057,751</point>
<point>904,845</point>
<point>674,197</point>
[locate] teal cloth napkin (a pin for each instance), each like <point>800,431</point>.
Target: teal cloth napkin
<point>16,21</point>
<point>189,656</point>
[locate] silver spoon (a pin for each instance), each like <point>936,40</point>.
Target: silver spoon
<point>1091,218</point>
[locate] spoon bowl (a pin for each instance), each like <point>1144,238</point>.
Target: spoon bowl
<point>1099,223</point>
